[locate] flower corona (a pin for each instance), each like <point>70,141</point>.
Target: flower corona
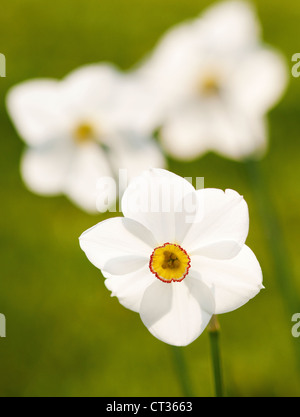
<point>170,263</point>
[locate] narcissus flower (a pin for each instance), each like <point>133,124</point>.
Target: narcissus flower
<point>80,129</point>
<point>178,255</point>
<point>214,82</point>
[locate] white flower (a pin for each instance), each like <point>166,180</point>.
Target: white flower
<point>79,130</point>
<point>178,256</point>
<point>213,82</point>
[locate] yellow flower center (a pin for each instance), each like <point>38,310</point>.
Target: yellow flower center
<point>208,85</point>
<point>84,132</point>
<point>170,263</point>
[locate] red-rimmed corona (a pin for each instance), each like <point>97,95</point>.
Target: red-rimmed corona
<point>170,262</point>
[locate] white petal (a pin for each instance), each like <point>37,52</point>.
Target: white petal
<point>89,164</point>
<point>137,108</point>
<point>186,134</point>
<point>216,124</point>
<point>175,313</point>
<point>259,81</point>
<point>235,131</point>
<point>45,169</point>
<point>115,238</point>
<point>154,199</point>
<point>130,288</point>
<point>230,25</point>
<point>92,90</point>
<point>233,282</point>
<point>125,264</point>
<point>221,226</point>
<point>37,110</point>
<point>166,72</point>
<point>224,249</point>
<point>133,153</point>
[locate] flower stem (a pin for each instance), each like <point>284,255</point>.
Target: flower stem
<point>182,372</point>
<point>214,336</point>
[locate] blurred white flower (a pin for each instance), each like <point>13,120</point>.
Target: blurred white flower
<point>178,256</point>
<point>80,129</point>
<point>213,82</point>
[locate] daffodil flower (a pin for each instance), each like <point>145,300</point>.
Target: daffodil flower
<point>214,81</point>
<point>78,130</point>
<point>178,255</point>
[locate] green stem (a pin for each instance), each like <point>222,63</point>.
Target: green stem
<point>182,372</point>
<point>214,337</point>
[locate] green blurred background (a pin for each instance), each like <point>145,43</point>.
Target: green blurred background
<point>65,335</point>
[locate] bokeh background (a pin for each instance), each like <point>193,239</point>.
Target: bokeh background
<point>65,335</point>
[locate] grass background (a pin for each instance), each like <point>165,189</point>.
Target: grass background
<point>65,335</point>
